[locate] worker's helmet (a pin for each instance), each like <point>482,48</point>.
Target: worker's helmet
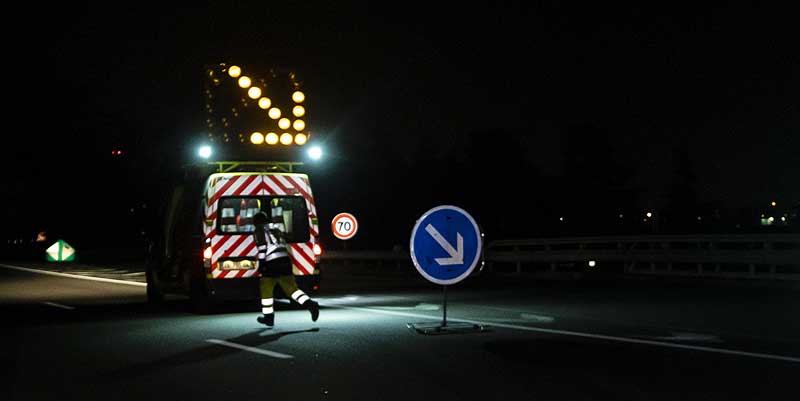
<point>260,218</point>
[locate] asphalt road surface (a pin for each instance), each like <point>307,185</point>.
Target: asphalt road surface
<point>93,337</point>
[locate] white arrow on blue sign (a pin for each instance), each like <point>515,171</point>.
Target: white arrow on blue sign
<point>446,244</point>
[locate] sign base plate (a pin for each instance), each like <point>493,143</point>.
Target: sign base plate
<point>451,328</point>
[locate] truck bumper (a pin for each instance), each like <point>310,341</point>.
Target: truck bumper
<point>248,288</point>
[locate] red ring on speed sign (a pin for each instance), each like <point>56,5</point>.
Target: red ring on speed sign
<point>344,226</point>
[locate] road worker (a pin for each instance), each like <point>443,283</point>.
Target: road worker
<point>275,267</point>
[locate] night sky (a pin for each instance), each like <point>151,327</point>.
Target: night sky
<point>519,112</point>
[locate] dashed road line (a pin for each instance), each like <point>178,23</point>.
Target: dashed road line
<point>67,307</point>
<point>250,349</point>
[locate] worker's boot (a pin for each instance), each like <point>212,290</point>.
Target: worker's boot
<point>313,307</point>
<point>268,319</point>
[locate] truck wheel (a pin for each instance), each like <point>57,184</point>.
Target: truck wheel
<point>154,294</point>
<point>200,301</point>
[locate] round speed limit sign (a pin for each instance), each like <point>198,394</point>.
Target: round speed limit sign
<point>344,226</point>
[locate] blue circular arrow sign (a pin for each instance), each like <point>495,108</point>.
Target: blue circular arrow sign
<point>446,244</point>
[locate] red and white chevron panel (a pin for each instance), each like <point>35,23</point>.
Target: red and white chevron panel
<point>248,184</point>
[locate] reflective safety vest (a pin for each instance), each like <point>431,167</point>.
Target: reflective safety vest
<point>270,245</point>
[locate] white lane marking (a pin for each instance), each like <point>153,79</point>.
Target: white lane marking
<point>105,280</point>
<point>696,337</point>
<point>59,305</point>
<point>422,306</point>
<point>537,318</point>
<point>250,349</point>
<point>584,335</point>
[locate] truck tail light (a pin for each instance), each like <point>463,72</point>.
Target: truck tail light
<point>207,253</point>
<point>317,252</point>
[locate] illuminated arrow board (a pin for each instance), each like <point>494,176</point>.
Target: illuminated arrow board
<point>446,244</point>
<point>244,108</point>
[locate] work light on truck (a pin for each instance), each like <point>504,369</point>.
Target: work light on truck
<point>315,153</point>
<point>204,151</point>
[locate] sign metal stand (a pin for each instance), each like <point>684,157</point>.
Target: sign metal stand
<point>445,327</point>
<point>458,262</point>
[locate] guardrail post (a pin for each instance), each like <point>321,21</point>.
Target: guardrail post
<point>553,265</point>
<point>772,266</point>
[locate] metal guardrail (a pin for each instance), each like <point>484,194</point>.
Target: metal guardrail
<point>774,257</point>
<point>733,256</point>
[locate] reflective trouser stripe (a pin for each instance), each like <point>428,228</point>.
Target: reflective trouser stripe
<point>278,254</point>
<point>300,297</point>
<point>266,306</point>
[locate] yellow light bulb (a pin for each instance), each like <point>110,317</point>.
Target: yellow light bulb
<point>234,71</point>
<point>274,113</point>
<point>257,138</point>
<point>286,138</point>
<point>299,125</point>
<point>244,82</point>
<point>264,103</point>
<point>271,138</point>
<point>299,111</point>
<point>284,123</point>
<point>298,97</point>
<point>300,139</point>
<point>254,92</point>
